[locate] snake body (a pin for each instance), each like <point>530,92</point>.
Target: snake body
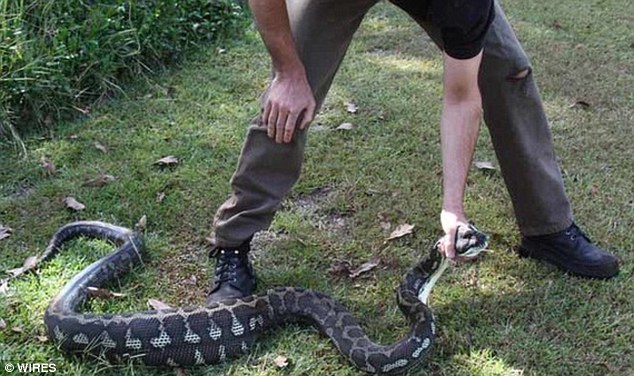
<point>207,335</point>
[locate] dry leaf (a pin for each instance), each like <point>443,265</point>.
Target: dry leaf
<point>17,329</point>
<point>141,224</point>
<point>101,147</point>
<point>100,293</point>
<point>365,267</point>
<point>48,165</point>
<point>15,272</point>
<point>157,304</point>
<point>29,263</point>
<point>42,339</point>
<point>72,203</point>
<point>351,107</point>
<point>345,126</point>
<point>181,372</point>
<point>73,136</point>
<point>281,361</point>
<point>400,231</point>
<point>484,165</point>
<point>160,197</point>
<point>580,104</point>
<point>5,231</point>
<point>4,287</point>
<point>167,161</point>
<point>3,324</point>
<point>99,181</point>
<point>594,190</point>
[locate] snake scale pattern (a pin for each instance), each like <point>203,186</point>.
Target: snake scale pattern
<point>191,336</point>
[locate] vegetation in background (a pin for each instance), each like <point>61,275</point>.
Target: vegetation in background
<point>58,57</point>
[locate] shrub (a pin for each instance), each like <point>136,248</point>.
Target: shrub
<point>59,55</point>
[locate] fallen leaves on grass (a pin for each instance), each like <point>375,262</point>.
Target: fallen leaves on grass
<point>141,224</point>
<point>594,190</point>
<point>41,339</point>
<point>181,372</point>
<point>4,287</point>
<point>28,264</point>
<point>105,294</point>
<point>73,204</point>
<point>401,230</point>
<point>17,329</point>
<point>365,267</point>
<point>345,127</point>
<point>5,231</point>
<point>484,165</point>
<point>160,197</point>
<point>99,181</point>
<point>580,104</point>
<point>170,160</point>
<point>3,324</point>
<point>48,166</point>
<point>157,304</point>
<point>101,147</point>
<point>352,107</point>
<point>281,361</point>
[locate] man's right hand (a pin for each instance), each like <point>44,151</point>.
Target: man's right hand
<point>290,104</point>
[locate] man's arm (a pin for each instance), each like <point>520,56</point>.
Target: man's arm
<point>290,98</point>
<point>459,126</point>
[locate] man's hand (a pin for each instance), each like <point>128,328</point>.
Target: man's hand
<point>450,222</point>
<point>290,104</point>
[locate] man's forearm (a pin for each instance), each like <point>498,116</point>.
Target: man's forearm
<point>459,125</point>
<point>459,132</point>
<point>271,17</point>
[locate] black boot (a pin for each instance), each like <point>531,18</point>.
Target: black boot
<point>571,251</point>
<point>233,275</point>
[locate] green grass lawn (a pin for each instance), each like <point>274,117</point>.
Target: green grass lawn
<point>501,316</point>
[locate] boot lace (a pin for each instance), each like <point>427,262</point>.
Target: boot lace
<point>226,265</point>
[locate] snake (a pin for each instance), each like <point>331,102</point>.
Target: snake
<point>206,335</point>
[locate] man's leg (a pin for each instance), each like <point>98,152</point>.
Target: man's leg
<point>521,136</point>
<point>322,30</point>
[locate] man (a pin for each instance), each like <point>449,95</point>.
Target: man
<point>307,40</point>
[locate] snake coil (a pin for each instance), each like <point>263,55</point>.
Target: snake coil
<point>191,336</point>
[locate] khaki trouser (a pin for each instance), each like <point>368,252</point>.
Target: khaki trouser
<point>513,112</point>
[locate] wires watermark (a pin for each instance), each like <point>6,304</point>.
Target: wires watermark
<point>36,368</point>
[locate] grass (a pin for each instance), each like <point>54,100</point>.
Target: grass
<point>501,316</point>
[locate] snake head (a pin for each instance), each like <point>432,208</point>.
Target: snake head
<point>470,241</point>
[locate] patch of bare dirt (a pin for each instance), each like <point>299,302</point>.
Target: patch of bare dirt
<point>312,206</point>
